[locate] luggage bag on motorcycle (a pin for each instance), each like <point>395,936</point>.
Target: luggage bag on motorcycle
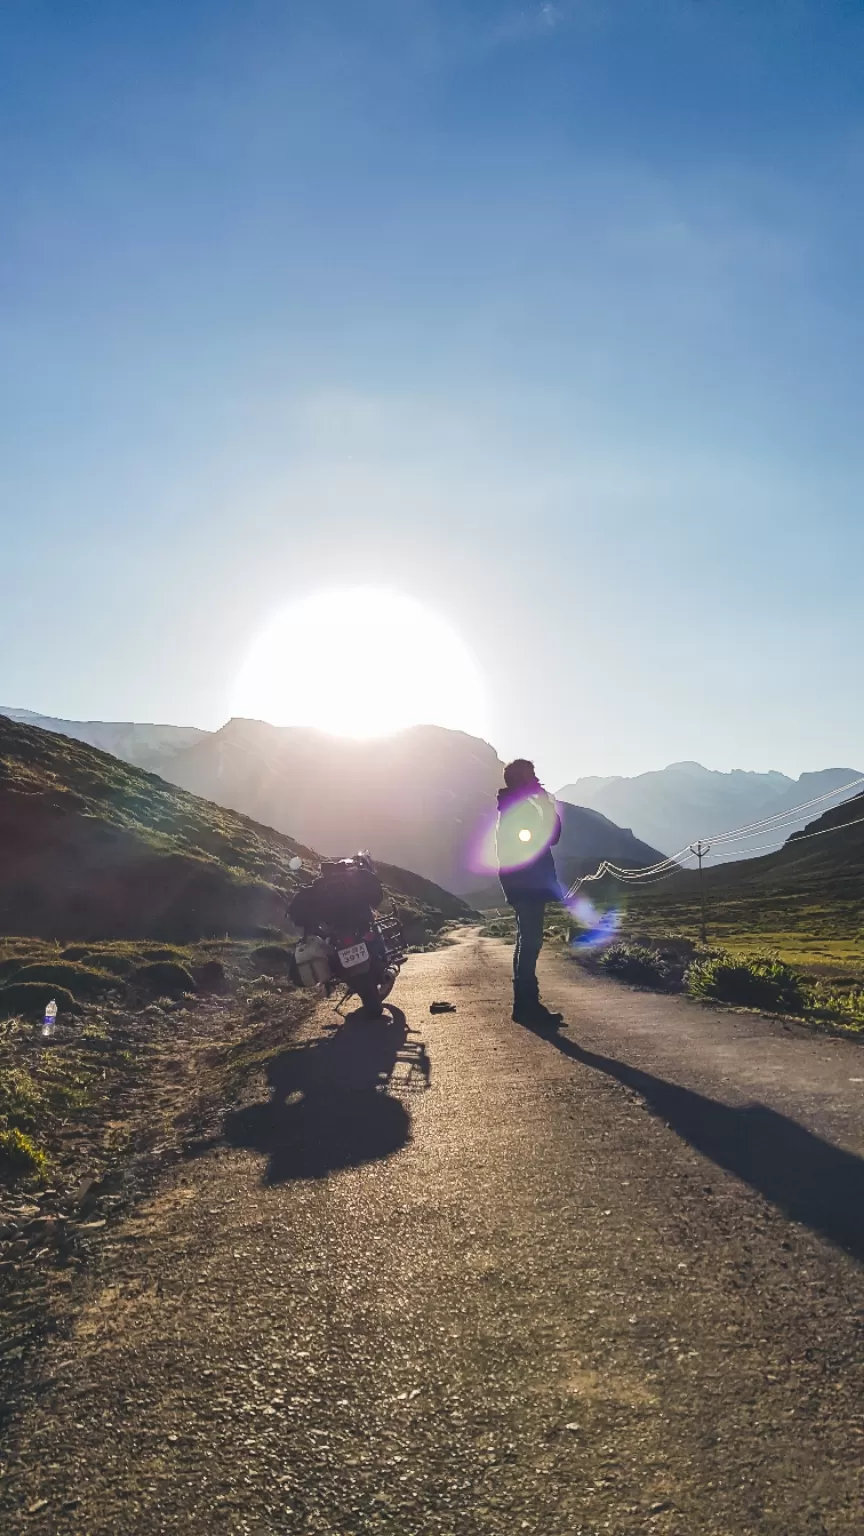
<point>343,894</point>
<point>311,961</point>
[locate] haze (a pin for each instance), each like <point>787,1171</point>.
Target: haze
<point>549,317</point>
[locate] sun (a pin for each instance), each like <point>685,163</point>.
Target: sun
<point>360,662</point>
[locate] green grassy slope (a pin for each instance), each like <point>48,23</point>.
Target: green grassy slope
<point>94,848</point>
<point>806,901</point>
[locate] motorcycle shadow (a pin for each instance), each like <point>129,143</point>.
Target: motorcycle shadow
<point>329,1106</point>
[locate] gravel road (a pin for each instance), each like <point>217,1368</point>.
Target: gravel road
<point>446,1277</point>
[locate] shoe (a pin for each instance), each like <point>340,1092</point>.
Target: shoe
<point>545,1018</point>
<point>528,1009</point>
<point>523,1004</point>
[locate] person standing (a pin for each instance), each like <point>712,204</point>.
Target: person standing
<point>528,828</point>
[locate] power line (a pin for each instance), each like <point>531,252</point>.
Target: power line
<point>792,842</point>
<point>633,876</point>
<point>790,814</point>
<point>767,824</point>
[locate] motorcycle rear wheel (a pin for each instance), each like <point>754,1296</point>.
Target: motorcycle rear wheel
<point>369,994</point>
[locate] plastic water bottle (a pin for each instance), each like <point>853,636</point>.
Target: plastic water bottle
<point>49,1022</point>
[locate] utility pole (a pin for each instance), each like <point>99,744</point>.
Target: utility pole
<point>701,849</point>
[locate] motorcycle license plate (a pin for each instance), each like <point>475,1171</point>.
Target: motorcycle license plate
<point>356,955</point>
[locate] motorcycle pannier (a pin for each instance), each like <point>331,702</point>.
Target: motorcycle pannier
<point>312,959</point>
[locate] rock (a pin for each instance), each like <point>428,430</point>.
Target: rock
<point>79,1195</point>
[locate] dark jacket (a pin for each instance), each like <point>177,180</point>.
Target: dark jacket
<point>528,828</point>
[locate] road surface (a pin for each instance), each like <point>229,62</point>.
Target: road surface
<point>445,1277</point>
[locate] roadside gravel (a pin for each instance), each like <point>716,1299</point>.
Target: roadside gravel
<point>441,1275</point>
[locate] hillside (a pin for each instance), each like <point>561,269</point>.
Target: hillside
<point>94,848</point>
<point>806,900</point>
<point>672,806</point>
<point>144,746</point>
<point>413,798</point>
<point>587,837</point>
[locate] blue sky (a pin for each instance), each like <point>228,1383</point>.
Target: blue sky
<point>550,316</point>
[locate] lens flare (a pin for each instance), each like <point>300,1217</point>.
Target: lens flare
<point>594,928</point>
<point>503,841</point>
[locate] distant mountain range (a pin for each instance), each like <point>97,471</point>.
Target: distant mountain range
<point>415,799</point>
<point>672,806</point>
<point>94,848</point>
<point>144,746</point>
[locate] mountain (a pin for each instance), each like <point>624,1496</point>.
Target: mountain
<point>587,838</point>
<point>810,859</point>
<point>144,746</point>
<point>416,798</point>
<point>671,807</point>
<point>413,799</point>
<point>94,848</point>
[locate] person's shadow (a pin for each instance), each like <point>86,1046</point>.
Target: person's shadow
<point>809,1179</point>
<point>330,1107</point>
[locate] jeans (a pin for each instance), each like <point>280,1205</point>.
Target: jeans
<point>529,939</point>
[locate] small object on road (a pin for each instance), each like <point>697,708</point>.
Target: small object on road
<point>442,1007</point>
<point>49,1023</point>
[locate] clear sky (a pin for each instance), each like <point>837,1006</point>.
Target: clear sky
<point>548,315</point>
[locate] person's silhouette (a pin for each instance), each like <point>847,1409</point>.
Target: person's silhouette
<point>528,827</point>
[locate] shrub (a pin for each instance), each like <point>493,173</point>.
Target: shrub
<point>30,997</point>
<point>164,978</point>
<point>210,976</point>
<point>20,1097</point>
<point>116,965</point>
<point>842,1007</point>
<point>640,966</point>
<point>21,1153</point>
<point>756,981</point>
<point>272,954</point>
<point>81,980</point>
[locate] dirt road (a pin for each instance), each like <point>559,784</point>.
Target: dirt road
<point>445,1277</point>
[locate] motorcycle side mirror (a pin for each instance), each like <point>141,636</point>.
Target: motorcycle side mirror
<point>295,863</point>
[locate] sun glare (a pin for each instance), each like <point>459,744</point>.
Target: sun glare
<point>360,662</point>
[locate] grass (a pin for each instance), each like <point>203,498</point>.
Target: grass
<point>773,969</point>
<point>82,981</point>
<point>30,998</point>
<point>164,978</point>
<point>803,904</point>
<point>21,1154</point>
<point>63,1104</point>
<point>821,939</point>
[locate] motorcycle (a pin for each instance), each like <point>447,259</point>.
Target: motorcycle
<point>344,938</point>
